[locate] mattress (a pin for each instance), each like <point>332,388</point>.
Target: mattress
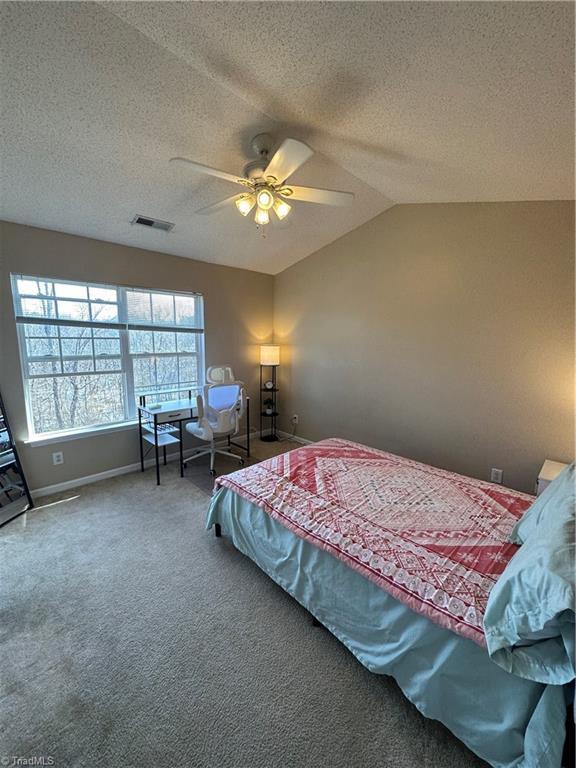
<point>433,539</point>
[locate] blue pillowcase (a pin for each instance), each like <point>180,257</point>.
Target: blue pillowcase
<point>529,619</point>
<point>558,494</point>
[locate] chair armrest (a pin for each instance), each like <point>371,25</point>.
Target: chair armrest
<point>203,422</point>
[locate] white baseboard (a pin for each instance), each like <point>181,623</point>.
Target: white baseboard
<point>47,490</point>
<point>295,438</point>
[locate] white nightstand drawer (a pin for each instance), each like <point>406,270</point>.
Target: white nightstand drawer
<point>549,471</point>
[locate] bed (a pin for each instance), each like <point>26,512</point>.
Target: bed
<point>397,559</point>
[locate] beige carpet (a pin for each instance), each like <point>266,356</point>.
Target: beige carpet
<point>130,636</point>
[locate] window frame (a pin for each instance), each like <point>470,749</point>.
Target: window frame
<point>123,326</point>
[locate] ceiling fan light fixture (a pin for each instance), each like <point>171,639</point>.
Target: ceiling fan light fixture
<point>261,217</point>
<point>245,204</point>
<point>282,209</point>
<point>265,199</point>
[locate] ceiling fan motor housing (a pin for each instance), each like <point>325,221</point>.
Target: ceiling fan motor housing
<point>262,146</point>
<point>255,169</point>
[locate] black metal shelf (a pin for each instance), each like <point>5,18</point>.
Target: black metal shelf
<point>15,495</point>
<point>7,461</point>
<point>269,395</point>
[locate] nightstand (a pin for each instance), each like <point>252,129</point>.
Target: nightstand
<point>550,470</point>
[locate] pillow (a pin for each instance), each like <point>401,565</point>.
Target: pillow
<point>529,618</point>
<point>546,508</point>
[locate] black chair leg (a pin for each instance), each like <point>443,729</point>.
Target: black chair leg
<point>217,530</point>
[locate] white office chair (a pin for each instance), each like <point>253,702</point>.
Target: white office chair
<point>219,414</point>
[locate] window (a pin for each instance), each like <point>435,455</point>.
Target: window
<point>89,351</point>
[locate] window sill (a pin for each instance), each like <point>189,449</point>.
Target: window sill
<point>75,434</point>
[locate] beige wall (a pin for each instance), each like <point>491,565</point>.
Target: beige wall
<point>238,317</point>
<point>440,332</point>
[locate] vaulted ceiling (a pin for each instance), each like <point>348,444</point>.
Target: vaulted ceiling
<point>402,102</point>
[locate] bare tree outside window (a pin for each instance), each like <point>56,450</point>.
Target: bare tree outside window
<point>89,351</point>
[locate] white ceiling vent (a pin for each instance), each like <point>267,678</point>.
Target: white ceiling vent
<point>146,221</point>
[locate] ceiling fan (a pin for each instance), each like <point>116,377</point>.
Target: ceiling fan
<point>265,181</point>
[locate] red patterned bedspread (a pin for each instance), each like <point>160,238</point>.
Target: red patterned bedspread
<point>433,539</point>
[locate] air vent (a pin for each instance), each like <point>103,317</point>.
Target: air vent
<point>146,221</point>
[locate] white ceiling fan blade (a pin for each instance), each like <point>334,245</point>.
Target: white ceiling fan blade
<point>209,209</point>
<point>313,195</point>
<point>289,156</point>
<point>210,171</point>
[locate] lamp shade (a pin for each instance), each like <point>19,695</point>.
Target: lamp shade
<point>269,354</point>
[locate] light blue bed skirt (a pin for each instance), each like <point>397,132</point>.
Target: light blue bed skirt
<point>506,720</point>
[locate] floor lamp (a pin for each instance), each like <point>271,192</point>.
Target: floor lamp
<point>269,358</point>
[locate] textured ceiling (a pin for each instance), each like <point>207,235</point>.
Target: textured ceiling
<point>402,102</point>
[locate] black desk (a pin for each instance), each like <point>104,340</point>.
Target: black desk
<point>160,424</point>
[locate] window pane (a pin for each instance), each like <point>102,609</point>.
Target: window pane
<point>164,341</point>
<point>108,364</point>
<point>76,401</point>
<point>162,309</point>
<point>106,346</point>
<point>40,331</point>
<point>104,313</point>
<point>74,331</point>
<point>80,347</point>
<point>141,342</point>
<point>41,369</point>
<point>138,306</point>
<point>186,342</point>
<point>73,310</point>
<point>105,333</point>
<point>42,347</point>
<point>167,370</point>
<point>70,291</point>
<point>144,373</point>
<point>78,366</point>
<point>186,310</point>
<point>38,308</point>
<point>103,294</point>
<point>188,367</point>
<point>35,287</point>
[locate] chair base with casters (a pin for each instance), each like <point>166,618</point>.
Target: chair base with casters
<point>212,451</point>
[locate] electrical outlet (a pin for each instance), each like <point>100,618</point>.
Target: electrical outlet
<point>496,475</point>
<point>57,458</point>
<point>294,419</point>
